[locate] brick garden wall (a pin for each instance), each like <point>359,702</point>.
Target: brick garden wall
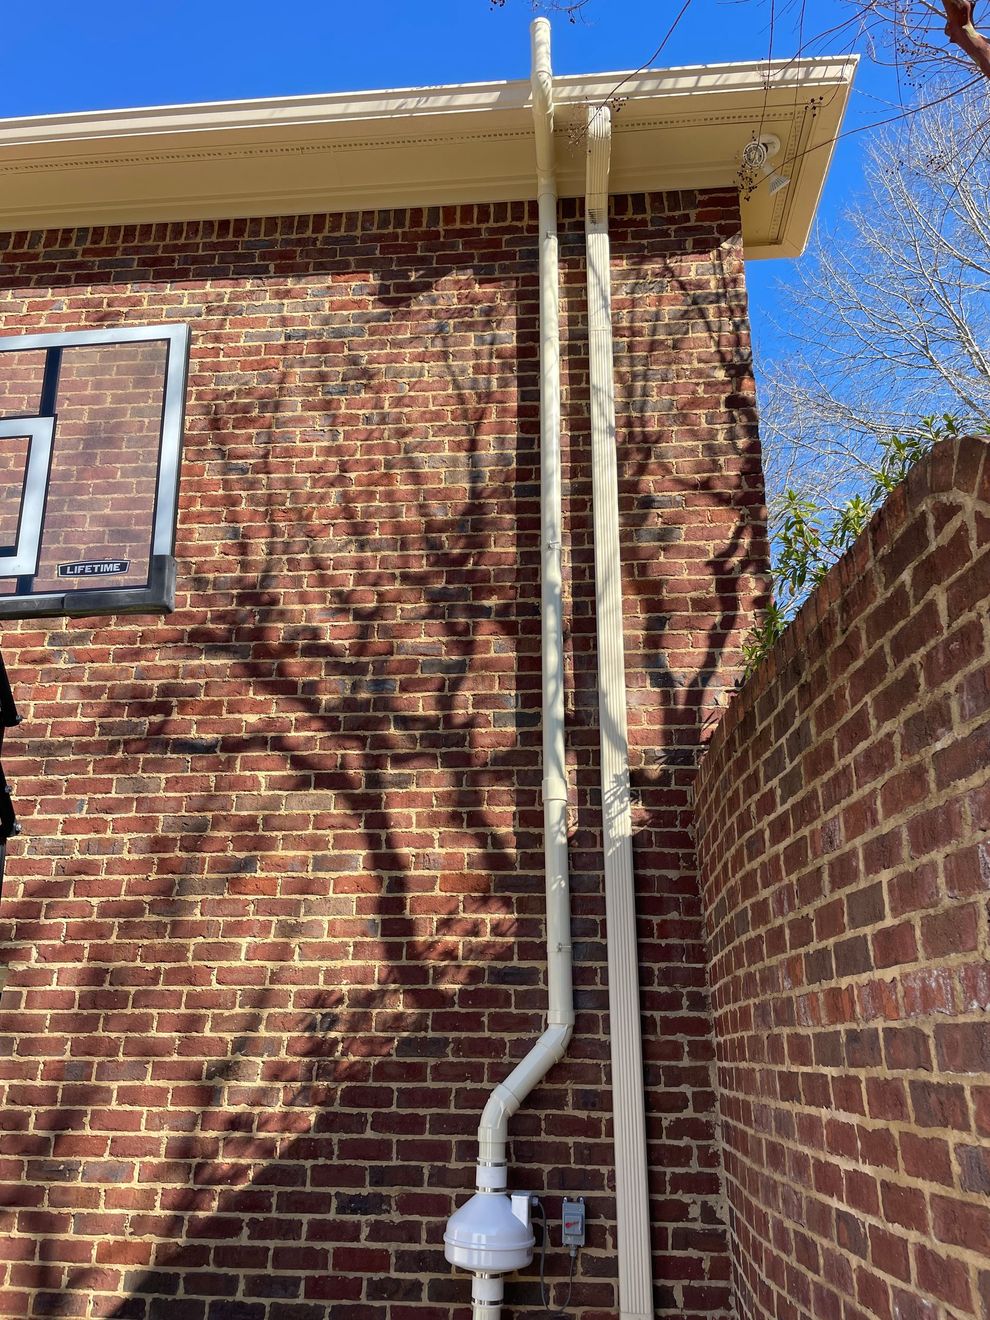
<point>843,818</point>
<point>275,923</point>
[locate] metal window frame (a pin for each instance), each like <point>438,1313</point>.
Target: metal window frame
<point>157,595</point>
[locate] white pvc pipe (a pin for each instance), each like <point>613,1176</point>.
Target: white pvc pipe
<point>509,1095</point>
<point>628,1106</point>
<point>486,1296</point>
<point>492,1178</point>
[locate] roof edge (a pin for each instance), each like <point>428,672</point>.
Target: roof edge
<point>678,128</point>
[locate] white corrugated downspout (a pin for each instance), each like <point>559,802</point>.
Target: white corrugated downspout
<point>628,1108</point>
<point>490,1199</point>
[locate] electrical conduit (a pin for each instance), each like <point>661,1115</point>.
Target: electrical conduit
<point>628,1108</point>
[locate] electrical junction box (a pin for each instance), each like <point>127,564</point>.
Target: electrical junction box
<point>572,1223</point>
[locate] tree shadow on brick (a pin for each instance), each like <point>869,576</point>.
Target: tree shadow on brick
<point>360,643</point>
<point>343,662</point>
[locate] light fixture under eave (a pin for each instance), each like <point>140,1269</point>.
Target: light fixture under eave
<point>755,166</point>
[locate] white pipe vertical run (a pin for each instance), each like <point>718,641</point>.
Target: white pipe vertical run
<point>628,1107</point>
<point>486,1289</point>
<point>549,1048</point>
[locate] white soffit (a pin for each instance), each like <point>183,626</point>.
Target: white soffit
<point>673,128</point>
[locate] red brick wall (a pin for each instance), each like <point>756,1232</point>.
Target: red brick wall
<point>275,923</point>
<point>843,815</point>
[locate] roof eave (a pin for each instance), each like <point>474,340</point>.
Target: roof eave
<point>675,128</point>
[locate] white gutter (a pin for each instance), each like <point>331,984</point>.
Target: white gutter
<point>481,1227</point>
<point>272,116</point>
<point>628,1108</point>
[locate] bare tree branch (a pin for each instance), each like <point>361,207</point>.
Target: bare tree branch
<point>888,320</point>
<point>913,31</point>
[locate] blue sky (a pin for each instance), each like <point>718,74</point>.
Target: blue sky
<point>123,53</point>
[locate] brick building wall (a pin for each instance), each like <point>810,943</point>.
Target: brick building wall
<point>843,812</point>
<point>275,923</point>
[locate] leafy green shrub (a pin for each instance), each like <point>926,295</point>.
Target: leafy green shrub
<point>804,548</point>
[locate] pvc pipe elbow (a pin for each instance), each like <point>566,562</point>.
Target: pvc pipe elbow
<point>505,1100</point>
